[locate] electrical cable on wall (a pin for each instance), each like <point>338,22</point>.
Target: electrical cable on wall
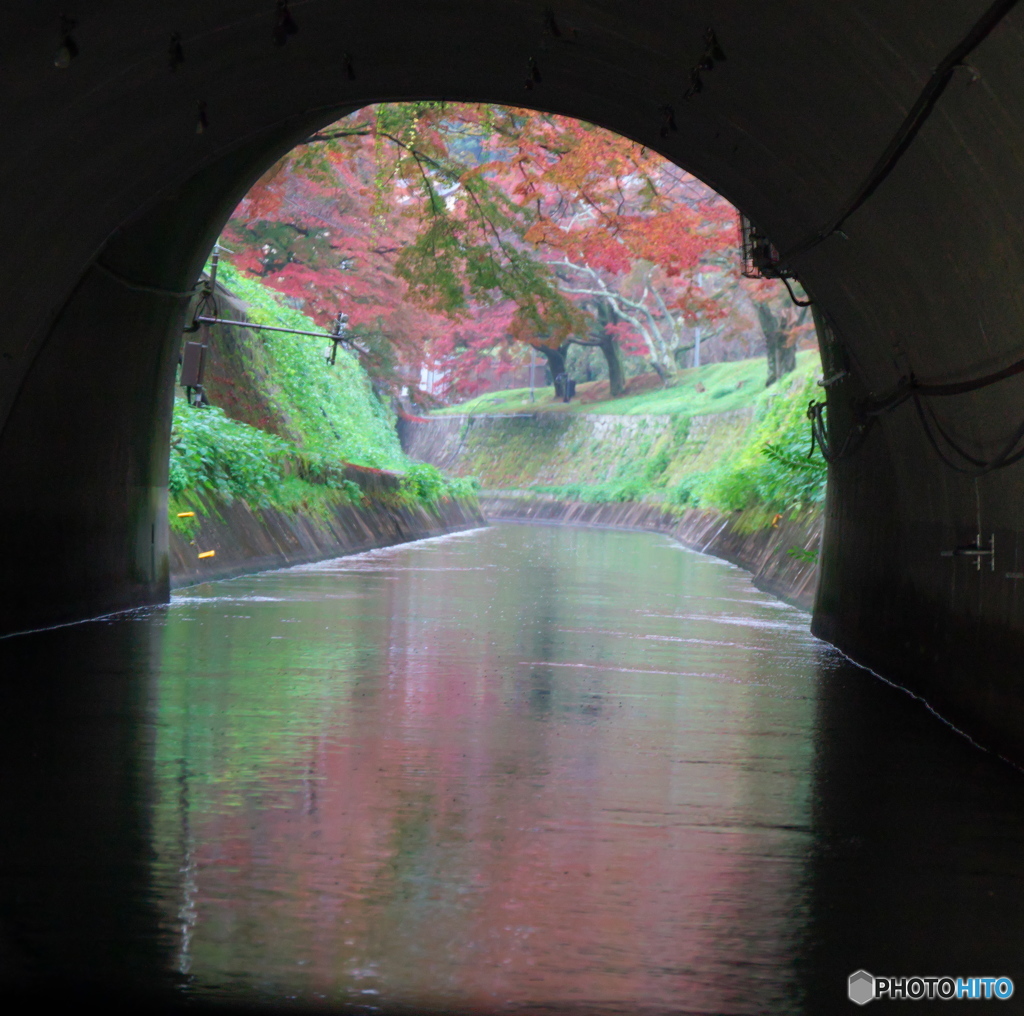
<point>867,412</point>
<point>796,300</point>
<point>1007,457</point>
<point>819,435</point>
<point>911,126</point>
<point>143,287</point>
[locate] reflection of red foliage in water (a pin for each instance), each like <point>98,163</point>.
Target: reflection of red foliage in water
<point>494,826</point>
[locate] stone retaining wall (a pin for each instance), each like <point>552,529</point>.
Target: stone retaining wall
<point>518,450</point>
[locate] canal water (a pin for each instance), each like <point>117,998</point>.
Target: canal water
<point>521,769</point>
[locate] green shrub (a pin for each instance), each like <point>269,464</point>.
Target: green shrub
<point>210,452</point>
<point>463,486</point>
<point>657,464</point>
<point>803,556</point>
<point>424,482</point>
<point>598,493</point>
<point>428,485</point>
<point>682,495</point>
<point>773,469</point>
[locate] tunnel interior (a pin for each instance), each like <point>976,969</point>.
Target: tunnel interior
<point>125,157</point>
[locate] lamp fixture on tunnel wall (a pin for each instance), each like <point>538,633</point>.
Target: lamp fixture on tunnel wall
<point>193,366</point>
<point>67,48</point>
<point>284,24</point>
<point>761,259</point>
<point>175,52</point>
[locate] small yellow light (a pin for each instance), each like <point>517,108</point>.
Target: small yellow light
<point>186,515</point>
<point>207,553</point>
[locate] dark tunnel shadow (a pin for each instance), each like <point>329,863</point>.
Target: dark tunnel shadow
<point>918,835</point>
<point>75,853</point>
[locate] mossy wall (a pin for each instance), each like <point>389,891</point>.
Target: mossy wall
<point>239,376</point>
<point>515,452</point>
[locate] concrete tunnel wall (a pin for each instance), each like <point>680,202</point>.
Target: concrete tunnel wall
<point>110,200</point>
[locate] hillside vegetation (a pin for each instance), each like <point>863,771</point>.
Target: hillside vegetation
<point>325,417</point>
<point>733,446</point>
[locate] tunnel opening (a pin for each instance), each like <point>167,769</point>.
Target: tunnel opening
<point>441,242</point>
<point>434,244</point>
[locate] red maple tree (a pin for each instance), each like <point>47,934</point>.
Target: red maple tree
<point>456,236</point>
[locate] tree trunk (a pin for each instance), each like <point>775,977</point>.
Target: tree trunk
<point>555,357</point>
<point>609,347</point>
<point>613,355</point>
<point>779,344</point>
<point>667,374</point>
<point>785,357</point>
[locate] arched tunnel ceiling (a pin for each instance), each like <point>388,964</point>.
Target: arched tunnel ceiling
<point>786,128</point>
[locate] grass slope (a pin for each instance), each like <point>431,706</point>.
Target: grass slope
<point>726,386</point>
<point>331,416</point>
<point>330,411</point>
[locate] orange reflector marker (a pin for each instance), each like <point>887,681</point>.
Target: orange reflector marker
<point>186,515</point>
<point>207,553</point>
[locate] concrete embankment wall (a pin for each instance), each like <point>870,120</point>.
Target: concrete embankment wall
<point>247,539</point>
<point>513,451</point>
<point>765,553</point>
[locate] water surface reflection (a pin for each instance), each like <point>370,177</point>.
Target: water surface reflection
<point>520,769</point>
<point>521,766</point>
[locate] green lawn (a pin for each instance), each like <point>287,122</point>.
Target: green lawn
<point>727,386</point>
